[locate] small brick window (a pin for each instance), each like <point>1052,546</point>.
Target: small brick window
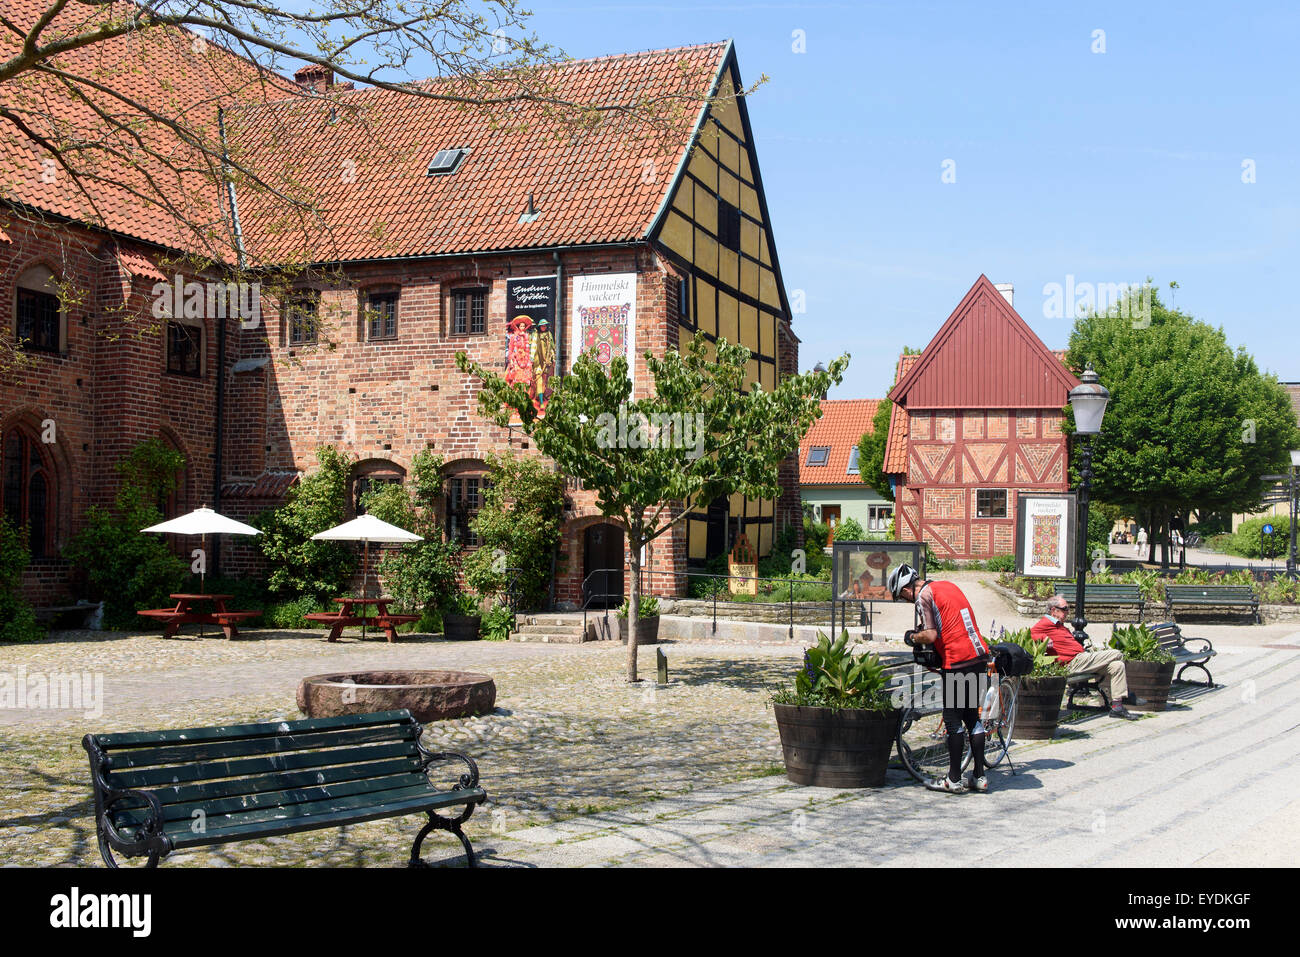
<point>991,503</point>
<point>469,312</point>
<point>38,320</point>
<point>302,314</point>
<point>366,481</point>
<point>381,315</point>
<point>464,498</point>
<point>184,349</point>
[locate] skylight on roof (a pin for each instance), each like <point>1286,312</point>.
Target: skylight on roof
<point>818,455</point>
<point>447,162</point>
<point>853,461</point>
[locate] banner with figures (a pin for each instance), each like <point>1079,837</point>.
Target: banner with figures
<point>532,358</point>
<point>604,317</point>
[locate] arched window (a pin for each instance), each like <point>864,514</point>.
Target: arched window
<point>39,316</point>
<point>464,487</point>
<point>28,491</point>
<point>371,474</point>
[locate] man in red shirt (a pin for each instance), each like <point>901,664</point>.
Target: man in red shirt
<point>1052,629</point>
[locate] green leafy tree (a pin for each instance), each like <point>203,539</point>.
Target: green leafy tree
<point>17,619</point>
<point>518,526</point>
<point>1191,424</point>
<point>420,576</point>
<point>871,451</point>
<point>704,432</point>
<point>300,567</point>
<point>128,569</point>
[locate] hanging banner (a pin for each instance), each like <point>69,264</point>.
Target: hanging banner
<point>1045,534</point>
<point>604,317</point>
<point>531,355</point>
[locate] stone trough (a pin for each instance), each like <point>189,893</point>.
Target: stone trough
<point>428,695</point>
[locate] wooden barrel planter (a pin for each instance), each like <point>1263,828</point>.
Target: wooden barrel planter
<point>1149,681</point>
<point>460,627</point>
<point>1038,707</point>
<point>836,749</point>
<point>647,631</point>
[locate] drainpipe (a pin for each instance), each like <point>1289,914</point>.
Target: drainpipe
<point>559,357</point>
<point>217,443</point>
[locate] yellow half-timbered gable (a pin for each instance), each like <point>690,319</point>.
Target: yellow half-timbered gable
<point>716,232</point>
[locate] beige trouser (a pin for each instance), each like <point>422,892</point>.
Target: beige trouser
<point>1109,661</point>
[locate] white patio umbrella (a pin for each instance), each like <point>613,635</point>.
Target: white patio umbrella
<point>203,521</point>
<point>367,529</point>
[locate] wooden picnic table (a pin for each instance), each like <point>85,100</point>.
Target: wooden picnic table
<point>185,614</point>
<point>348,616</point>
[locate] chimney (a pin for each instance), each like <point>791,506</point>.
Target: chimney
<point>314,77</point>
<point>1008,291</point>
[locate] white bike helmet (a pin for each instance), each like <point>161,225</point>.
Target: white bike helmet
<point>900,578</point>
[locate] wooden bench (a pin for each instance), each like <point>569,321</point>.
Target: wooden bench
<point>1125,596</point>
<point>1211,596</point>
<point>162,791</point>
<point>337,622</point>
<point>172,619</point>
<point>1172,642</point>
<point>50,614</point>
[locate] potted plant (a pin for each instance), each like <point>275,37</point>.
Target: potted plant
<point>1148,669</point>
<point>1038,701</point>
<point>837,723</point>
<point>461,619</point>
<point>647,632</point>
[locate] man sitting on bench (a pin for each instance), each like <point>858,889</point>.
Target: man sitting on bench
<point>1061,642</point>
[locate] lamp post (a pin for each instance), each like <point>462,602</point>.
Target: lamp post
<point>1088,400</point>
<point>1294,497</point>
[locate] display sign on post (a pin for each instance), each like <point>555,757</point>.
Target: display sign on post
<point>1046,530</point>
<point>860,570</point>
<point>532,359</point>
<point>742,565</point>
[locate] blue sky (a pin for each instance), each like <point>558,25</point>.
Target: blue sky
<point>1108,167</point>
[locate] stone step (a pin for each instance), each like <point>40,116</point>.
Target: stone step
<point>550,628</point>
<point>559,620</point>
<point>566,638</point>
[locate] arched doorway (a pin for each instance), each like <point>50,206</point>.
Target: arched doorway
<point>602,552</point>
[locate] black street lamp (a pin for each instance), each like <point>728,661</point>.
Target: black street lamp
<point>1088,399</point>
<point>1295,508</point>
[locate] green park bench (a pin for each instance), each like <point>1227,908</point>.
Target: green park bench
<point>162,791</point>
<point>1211,596</point>
<point>1108,596</point>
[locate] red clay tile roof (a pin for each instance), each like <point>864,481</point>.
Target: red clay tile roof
<point>140,266</point>
<point>896,445</point>
<point>601,186</point>
<point>270,485</point>
<point>842,424</point>
<point>166,69</point>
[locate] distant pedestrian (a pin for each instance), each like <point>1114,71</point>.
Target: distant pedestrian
<point>1141,542</point>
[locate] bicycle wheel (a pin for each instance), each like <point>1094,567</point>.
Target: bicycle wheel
<point>997,737</point>
<point>923,745</point>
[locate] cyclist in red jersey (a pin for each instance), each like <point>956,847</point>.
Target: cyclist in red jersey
<point>948,622</point>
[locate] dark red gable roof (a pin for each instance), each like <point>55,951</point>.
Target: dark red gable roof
<point>985,357</point>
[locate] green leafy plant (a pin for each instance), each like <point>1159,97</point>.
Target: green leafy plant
<point>850,530</point>
<point>17,619</point>
<point>299,566</point>
<point>129,569</point>
<point>464,603</point>
<point>1045,664</point>
<point>1138,643</point>
<point>833,677</point>
<point>648,607</point>
<point>497,624</point>
<point>289,614</point>
<point>420,576</point>
<point>518,527</point>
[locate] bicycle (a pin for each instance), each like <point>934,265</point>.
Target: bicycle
<point>922,739</point>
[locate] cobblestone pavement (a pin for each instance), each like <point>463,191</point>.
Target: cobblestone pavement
<point>569,736</point>
<point>583,769</point>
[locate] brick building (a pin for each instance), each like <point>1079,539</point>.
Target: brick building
<point>977,418</point>
<point>422,243</point>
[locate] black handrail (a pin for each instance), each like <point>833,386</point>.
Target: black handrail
<point>587,598</point>
<point>791,582</point>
